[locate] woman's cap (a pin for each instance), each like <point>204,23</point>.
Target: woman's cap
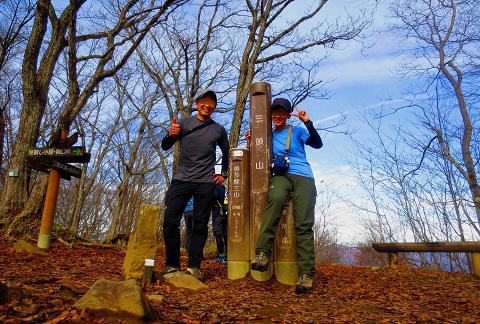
<point>282,103</point>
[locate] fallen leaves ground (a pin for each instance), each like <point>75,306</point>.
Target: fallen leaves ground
<point>51,284</point>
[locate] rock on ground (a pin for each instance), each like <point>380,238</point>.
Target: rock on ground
<point>184,280</point>
<point>22,245</point>
<point>123,297</point>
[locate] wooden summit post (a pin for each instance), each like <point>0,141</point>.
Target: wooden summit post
<point>238,245</point>
<point>260,159</point>
<point>285,247</point>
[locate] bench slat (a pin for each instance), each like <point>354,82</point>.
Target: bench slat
<point>427,247</point>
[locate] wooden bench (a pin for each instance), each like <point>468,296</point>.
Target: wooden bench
<point>465,247</point>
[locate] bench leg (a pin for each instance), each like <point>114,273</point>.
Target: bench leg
<point>476,263</point>
<point>393,260</point>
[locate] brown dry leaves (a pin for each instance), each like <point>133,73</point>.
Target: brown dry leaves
<point>53,283</point>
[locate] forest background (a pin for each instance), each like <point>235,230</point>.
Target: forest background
<point>390,86</point>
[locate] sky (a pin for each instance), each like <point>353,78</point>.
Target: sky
<point>361,80</point>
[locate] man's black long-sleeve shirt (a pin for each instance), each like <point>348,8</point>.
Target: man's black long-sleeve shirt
<point>197,150</point>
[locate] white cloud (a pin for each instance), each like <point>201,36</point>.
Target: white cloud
<point>382,104</point>
<point>368,70</point>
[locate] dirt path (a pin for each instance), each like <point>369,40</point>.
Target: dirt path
<point>51,284</point>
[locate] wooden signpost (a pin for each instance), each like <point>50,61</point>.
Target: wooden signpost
<point>238,244</point>
<point>54,161</point>
<point>74,154</point>
<point>260,159</point>
<point>284,248</point>
<point>44,164</point>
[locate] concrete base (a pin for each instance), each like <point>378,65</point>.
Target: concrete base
<point>263,276</point>
<point>43,241</point>
<point>286,273</point>
<point>237,269</point>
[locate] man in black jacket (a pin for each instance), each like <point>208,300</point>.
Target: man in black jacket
<point>199,136</point>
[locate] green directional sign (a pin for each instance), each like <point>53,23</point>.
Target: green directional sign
<point>75,154</point>
<point>76,150</point>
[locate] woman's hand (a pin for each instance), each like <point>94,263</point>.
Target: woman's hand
<point>248,136</point>
<point>302,114</point>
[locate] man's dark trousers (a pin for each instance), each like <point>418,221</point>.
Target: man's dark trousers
<point>178,196</point>
<point>187,216</point>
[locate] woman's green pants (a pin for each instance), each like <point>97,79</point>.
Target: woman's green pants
<point>304,196</point>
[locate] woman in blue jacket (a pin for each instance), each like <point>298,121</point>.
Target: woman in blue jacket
<point>298,180</point>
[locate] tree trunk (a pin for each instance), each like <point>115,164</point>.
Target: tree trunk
<point>28,221</point>
<point>119,209</point>
<point>35,83</point>
<point>77,209</point>
<point>3,125</point>
<point>16,191</point>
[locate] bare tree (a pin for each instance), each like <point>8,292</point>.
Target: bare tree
<point>134,155</point>
<point>327,247</point>
<point>446,34</point>
<point>14,18</point>
<point>195,51</point>
<point>406,201</point>
<point>98,53</point>
<point>99,133</point>
<point>269,38</point>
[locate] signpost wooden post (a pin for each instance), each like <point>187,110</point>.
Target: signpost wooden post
<point>54,161</point>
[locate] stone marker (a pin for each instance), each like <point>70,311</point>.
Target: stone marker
<point>142,243</point>
<point>122,298</point>
<point>158,299</point>
<point>184,280</point>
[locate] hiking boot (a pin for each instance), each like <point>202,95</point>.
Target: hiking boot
<point>304,283</point>
<point>169,269</point>
<point>196,273</point>
<point>261,262</point>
